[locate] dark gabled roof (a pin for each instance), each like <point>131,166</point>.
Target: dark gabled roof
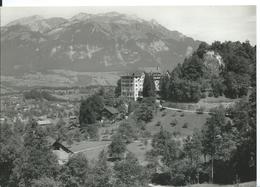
<point>111,110</point>
<point>52,142</point>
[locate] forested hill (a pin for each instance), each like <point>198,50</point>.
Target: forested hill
<point>227,68</point>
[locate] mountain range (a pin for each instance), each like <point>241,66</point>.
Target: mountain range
<point>90,43</point>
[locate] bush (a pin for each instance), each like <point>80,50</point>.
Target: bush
<point>174,123</point>
<point>144,112</point>
<point>185,125</point>
<point>176,133</point>
<point>200,110</point>
<point>158,123</point>
<point>163,114</point>
<point>182,115</point>
<point>210,94</point>
<point>203,95</point>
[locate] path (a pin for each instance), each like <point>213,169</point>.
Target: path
<point>178,109</point>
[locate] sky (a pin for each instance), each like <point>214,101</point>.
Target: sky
<point>205,23</point>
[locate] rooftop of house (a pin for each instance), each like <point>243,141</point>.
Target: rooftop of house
<point>111,110</point>
<point>85,146</point>
<point>44,122</point>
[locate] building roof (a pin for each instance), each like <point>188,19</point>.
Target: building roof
<point>111,110</point>
<point>86,146</point>
<point>44,122</point>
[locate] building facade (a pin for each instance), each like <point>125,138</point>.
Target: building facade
<point>132,83</point>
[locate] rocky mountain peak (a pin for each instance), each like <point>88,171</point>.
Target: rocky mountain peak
<point>91,42</point>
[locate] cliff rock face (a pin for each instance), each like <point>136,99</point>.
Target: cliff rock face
<point>90,43</point>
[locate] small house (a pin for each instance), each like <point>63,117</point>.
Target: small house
<point>109,113</point>
<point>61,151</point>
<point>44,122</point>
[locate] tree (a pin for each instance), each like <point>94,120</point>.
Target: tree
<point>164,87</point>
<point>61,130</point>
<point>144,113</point>
<point>193,68</point>
<point>117,146</point>
<point>90,112</point>
<point>90,109</point>
<point>164,146</point>
<point>129,173</point>
<point>74,172</point>
<point>128,131</point>
<point>193,150</point>
<point>182,90</point>
<point>36,158</point>
<point>218,86</point>
<point>244,121</point>
<point>101,172</point>
<point>202,49</point>
<point>217,138</point>
<point>10,149</point>
<point>118,88</point>
<point>236,84</point>
<point>148,86</point>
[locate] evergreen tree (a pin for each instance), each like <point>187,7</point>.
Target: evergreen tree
<point>74,173</point>
<point>148,86</point>
<point>118,88</point>
<point>10,148</point>
<point>101,172</point>
<point>117,146</point>
<point>129,173</point>
<point>36,159</point>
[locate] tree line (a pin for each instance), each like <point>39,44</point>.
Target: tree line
<point>232,76</point>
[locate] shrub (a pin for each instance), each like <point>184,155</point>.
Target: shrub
<point>158,123</point>
<point>185,125</point>
<point>200,110</point>
<point>174,123</point>
<point>176,133</point>
<point>164,114</point>
<point>210,94</point>
<point>182,115</point>
<point>203,95</point>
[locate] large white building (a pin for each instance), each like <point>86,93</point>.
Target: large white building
<point>132,83</point>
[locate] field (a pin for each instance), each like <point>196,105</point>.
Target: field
<point>193,121</point>
<point>61,78</point>
<point>206,103</point>
<point>166,117</point>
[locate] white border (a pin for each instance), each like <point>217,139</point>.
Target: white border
<point>62,3</point>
